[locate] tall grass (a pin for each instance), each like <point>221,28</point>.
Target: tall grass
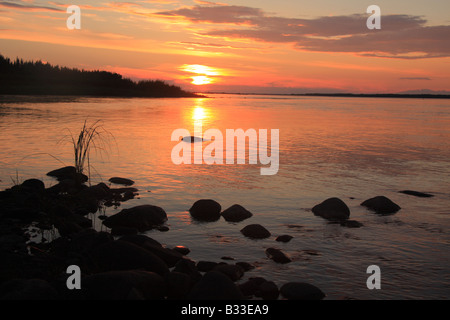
<point>92,137</point>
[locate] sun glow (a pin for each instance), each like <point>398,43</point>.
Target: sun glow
<point>202,74</point>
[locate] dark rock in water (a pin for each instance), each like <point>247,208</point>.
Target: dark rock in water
<point>234,272</point>
<point>351,224</point>
<point>245,266</point>
<point>332,209</point>
<point>122,181</point>
<point>192,139</point>
<point>268,290</point>
<point>215,286</point>
<point>381,205</point>
<point>97,192</point>
<point>27,289</point>
<point>178,285</point>
<point>417,194</point>
<point>121,255</point>
<point>277,255</point>
<point>255,231</point>
<point>142,218</point>
<point>169,256</point>
<point>124,285</point>
<point>33,185</point>
<point>205,266</point>
<point>251,286</point>
<point>301,291</point>
<point>88,240</point>
<point>236,213</point>
<point>205,210</point>
<point>284,238</point>
<point>68,173</point>
<point>122,231</point>
<point>182,249</point>
<point>188,267</point>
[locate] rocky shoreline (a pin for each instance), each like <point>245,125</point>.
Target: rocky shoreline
<point>121,263</point>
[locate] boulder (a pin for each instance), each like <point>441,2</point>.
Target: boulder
<point>68,172</point>
<point>124,285</point>
<point>284,238</point>
<point>27,289</point>
<point>268,290</point>
<point>301,291</point>
<point>142,218</point>
<point>188,267</point>
<point>277,255</point>
<point>205,210</point>
<point>255,231</point>
<point>251,286</point>
<point>332,209</point>
<point>121,255</point>
<point>182,249</point>
<point>215,286</point>
<point>32,185</point>
<point>381,205</point>
<point>122,181</point>
<point>236,213</point>
<point>417,194</point>
<point>234,272</point>
<point>178,285</point>
<point>205,266</point>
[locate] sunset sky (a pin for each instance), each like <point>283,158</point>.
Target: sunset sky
<point>283,46</point>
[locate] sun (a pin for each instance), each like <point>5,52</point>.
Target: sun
<point>202,75</point>
<point>201,80</point>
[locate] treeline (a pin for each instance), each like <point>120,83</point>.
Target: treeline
<point>21,77</point>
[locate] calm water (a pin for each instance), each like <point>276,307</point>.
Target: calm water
<point>349,148</point>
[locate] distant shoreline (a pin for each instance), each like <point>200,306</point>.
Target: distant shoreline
<point>343,95</point>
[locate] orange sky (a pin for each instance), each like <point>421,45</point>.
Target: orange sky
<point>241,46</point>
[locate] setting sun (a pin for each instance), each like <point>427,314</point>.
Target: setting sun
<point>200,80</point>
<point>203,74</point>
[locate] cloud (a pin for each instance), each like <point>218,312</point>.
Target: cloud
<point>415,78</point>
<point>401,36</point>
<point>27,7</point>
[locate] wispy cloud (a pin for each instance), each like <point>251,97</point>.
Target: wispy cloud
<point>401,36</point>
<point>27,7</point>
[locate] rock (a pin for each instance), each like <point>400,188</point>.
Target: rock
<point>121,255</point>
<point>277,255</point>
<point>301,291</point>
<point>284,238</point>
<point>178,285</point>
<point>381,205</point>
<point>236,213</point>
<point>268,290</point>
<point>143,218</point>
<point>215,286</point>
<point>255,231</point>
<point>245,266</point>
<point>122,181</point>
<point>68,172</point>
<point>351,224</point>
<point>192,139</point>
<point>27,289</point>
<point>205,266</point>
<point>182,249</point>
<point>332,209</point>
<point>123,231</point>
<point>188,267</point>
<point>169,256</point>
<point>251,286</point>
<point>33,185</point>
<point>234,272</point>
<point>417,194</point>
<point>124,285</point>
<point>205,210</point>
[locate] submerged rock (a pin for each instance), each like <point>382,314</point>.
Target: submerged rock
<point>236,213</point>
<point>68,172</point>
<point>381,205</point>
<point>332,209</point>
<point>284,238</point>
<point>255,231</point>
<point>205,210</point>
<point>277,255</point>
<point>417,194</point>
<point>301,291</point>
<point>122,181</point>
<point>142,218</point>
